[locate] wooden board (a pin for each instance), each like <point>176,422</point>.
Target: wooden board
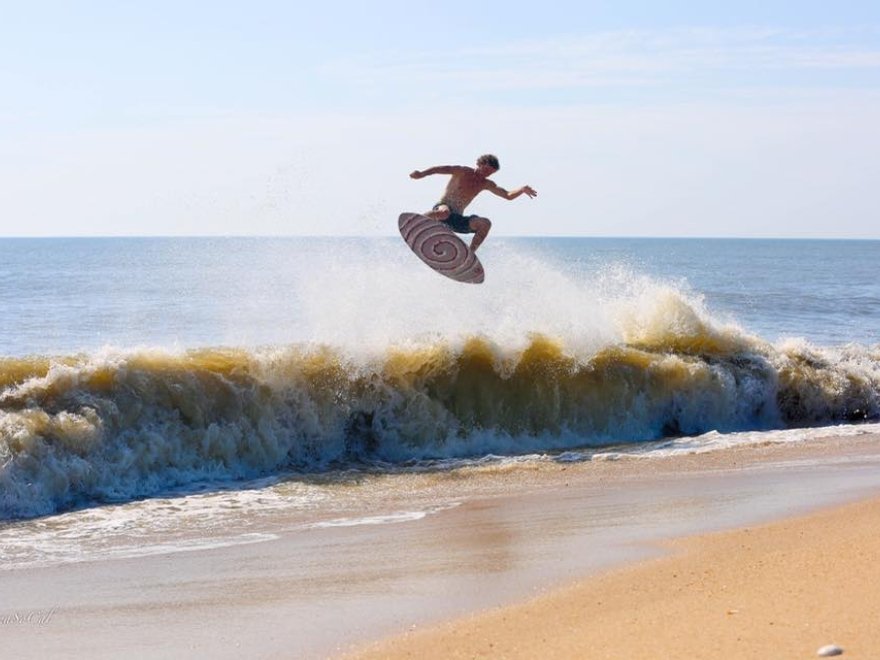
<point>438,246</point>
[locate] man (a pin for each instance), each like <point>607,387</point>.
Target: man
<point>465,184</point>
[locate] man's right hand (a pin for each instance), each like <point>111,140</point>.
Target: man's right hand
<point>416,175</point>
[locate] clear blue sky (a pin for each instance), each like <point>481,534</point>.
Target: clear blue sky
<point>630,118</point>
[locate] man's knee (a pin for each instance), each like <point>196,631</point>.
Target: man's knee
<point>481,225</point>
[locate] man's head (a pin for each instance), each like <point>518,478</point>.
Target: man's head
<point>487,164</point>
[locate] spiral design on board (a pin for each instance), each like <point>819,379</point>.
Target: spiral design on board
<point>440,248</point>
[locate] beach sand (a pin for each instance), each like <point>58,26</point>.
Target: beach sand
<point>778,590</point>
<point>518,548</point>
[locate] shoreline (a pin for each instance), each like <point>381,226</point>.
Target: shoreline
<point>784,588</point>
<point>513,534</point>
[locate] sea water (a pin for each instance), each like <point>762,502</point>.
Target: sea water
<point>145,382</point>
<point>60,296</point>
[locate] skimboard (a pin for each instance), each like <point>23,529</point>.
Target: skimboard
<point>438,246</point>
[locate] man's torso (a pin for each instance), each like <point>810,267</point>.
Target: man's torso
<point>462,188</point>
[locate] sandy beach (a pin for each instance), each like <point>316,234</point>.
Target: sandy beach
<point>780,590</point>
<point>540,560</point>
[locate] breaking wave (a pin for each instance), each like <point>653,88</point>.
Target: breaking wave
<point>124,424</point>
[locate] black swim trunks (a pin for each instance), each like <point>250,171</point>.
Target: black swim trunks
<point>457,222</point>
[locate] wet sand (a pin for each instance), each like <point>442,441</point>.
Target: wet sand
<point>780,590</point>
<point>511,536</point>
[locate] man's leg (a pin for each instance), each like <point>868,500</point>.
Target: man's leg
<point>481,227</point>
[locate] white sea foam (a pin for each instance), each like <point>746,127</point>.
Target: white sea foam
<point>174,522</point>
<point>188,523</point>
<point>714,441</point>
<point>384,519</point>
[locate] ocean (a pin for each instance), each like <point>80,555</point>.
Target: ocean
<point>154,390</point>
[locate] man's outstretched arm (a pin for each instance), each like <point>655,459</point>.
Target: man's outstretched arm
<point>439,169</point>
<point>510,194</point>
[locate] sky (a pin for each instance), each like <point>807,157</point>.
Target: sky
<point>757,119</point>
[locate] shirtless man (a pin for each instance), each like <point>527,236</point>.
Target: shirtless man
<point>465,184</point>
